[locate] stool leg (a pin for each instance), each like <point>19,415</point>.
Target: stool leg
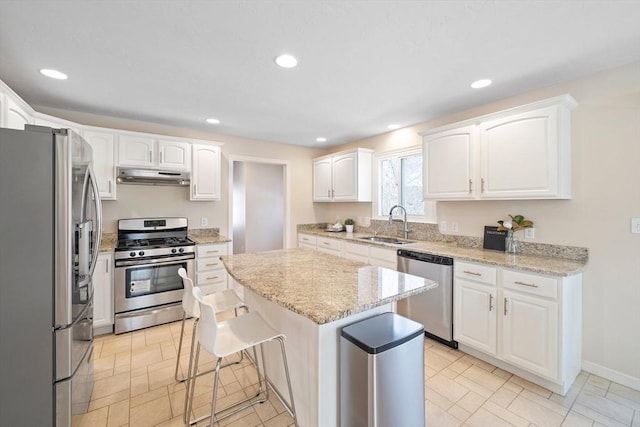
<point>191,390</point>
<point>191,373</point>
<point>286,371</point>
<point>216,380</point>
<point>184,316</point>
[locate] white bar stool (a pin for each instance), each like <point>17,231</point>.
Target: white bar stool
<point>225,300</point>
<point>222,339</point>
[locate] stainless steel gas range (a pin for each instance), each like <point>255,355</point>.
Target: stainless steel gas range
<point>148,290</point>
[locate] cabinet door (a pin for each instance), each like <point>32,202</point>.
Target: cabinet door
<point>16,116</point>
<point>174,155</point>
<point>135,151</point>
<point>474,315</point>
<point>205,174</point>
<point>103,291</point>
<point>102,145</point>
<point>383,257</point>
<point>530,333</point>
<point>345,177</point>
<point>449,164</point>
<point>356,252</point>
<point>322,180</point>
<point>520,155</point>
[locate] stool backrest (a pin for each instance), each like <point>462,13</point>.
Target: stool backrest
<point>189,304</point>
<point>208,324</point>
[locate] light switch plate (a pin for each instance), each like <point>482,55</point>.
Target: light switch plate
<point>443,226</point>
<point>204,221</point>
<point>635,225</point>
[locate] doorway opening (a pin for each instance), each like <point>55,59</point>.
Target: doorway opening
<point>259,204</point>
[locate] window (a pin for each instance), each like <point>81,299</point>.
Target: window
<point>399,182</point>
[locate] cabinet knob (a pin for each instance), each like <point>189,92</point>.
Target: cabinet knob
<point>531,285</point>
<point>490,302</point>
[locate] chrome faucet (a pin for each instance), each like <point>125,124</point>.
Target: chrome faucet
<point>405,228</point>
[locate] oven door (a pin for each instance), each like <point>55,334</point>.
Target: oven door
<point>149,283</point>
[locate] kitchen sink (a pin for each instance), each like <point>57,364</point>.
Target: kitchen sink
<point>391,240</point>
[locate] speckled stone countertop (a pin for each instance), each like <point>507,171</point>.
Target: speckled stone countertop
<point>108,242</point>
<point>203,236</point>
<point>321,287</point>
<point>552,264</point>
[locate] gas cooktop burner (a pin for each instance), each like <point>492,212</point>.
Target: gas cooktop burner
<point>155,243</point>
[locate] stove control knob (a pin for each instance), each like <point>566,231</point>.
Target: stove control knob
<point>181,250</point>
<point>174,250</point>
<point>132,254</point>
<point>141,253</point>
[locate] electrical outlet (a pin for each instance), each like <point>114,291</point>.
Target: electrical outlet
<point>443,226</point>
<point>530,233</point>
<point>454,227</point>
<point>635,225</point>
<point>204,221</point>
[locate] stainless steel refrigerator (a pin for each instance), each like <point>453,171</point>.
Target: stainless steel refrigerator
<point>50,229</point>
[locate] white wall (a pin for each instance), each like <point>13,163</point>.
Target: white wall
<point>606,194</point>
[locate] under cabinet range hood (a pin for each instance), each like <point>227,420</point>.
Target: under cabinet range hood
<point>152,177</point>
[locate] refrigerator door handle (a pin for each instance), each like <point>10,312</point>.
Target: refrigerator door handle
<point>98,230</point>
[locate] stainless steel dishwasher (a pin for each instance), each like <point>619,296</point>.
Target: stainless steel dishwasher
<point>433,309</point>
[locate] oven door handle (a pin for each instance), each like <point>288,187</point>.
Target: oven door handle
<point>171,260</point>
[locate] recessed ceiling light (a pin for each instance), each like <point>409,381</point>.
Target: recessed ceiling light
<point>286,61</point>
<point>393,127</point>
<point>321,139</point>
<point>54,74</point>
<point>213,121</point>
<point>478,84</point>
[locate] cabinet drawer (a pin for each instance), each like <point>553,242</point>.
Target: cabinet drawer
<point>356,249</point>
<point>206,264</point>
<point>475,272</point>
<point>210,277</point>
<point>530,283</point>
<point>307,239</point>
<point>211,250</point>
<point>331,244</point>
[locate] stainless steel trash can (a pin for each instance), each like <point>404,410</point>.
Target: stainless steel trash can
<point>382,373</point>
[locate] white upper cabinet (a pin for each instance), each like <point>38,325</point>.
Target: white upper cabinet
<point>174,155</point>
<point>521,153</point>
<point>343,176</point>
<point>103,145</point>
<point>450,158</point>
<point>144,151</point>
<point>205,173</point>
<point>14,113</point>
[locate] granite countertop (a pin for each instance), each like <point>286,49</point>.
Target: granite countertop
<point>552,264</point>
<point>318,286</point>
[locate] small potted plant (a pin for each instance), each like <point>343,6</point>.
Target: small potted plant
<point>349,223</point>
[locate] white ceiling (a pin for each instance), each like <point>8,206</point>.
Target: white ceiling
<point>362,65</point>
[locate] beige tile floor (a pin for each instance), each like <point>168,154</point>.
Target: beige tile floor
<point>135,387</point>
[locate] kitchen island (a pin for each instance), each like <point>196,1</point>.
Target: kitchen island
<point>309,296</point>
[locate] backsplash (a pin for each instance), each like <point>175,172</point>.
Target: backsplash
<point>431,233</point>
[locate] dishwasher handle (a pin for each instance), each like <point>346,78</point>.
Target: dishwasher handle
<point>425,257</point>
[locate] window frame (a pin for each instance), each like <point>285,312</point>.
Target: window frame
<point>429,205</point>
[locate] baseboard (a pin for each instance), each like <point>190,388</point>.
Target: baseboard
<point>611,375</point>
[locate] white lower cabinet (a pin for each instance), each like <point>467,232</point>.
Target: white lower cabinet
<point>383,257</point>
<point>329,246</point>
<point>211,275</point>
<point>526,323</point>
<point>103,293</point>
<point>308,241</point>
<point>368,254</point>
<point>475,315</point>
